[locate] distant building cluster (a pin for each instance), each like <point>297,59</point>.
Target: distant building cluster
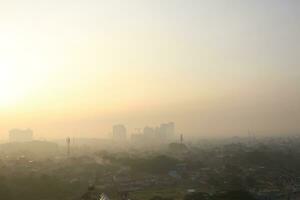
<point>164,132</point>
<point>119,132</point>
<point>20,135</point>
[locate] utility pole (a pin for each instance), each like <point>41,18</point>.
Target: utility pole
<point>68,140</point>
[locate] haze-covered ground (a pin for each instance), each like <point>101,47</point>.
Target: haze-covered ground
<point>72,68</point>
<point>232,168</point>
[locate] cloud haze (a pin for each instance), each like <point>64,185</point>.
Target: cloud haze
<point>77,67</point>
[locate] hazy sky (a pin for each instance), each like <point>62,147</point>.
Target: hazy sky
<point>215,67</point>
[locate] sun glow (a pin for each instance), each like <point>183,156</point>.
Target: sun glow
<point>15,82</point>
<point>21,74</point>
<point>26,65</point>
<point>10,89</point>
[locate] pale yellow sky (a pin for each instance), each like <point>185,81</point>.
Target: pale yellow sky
<point>77,67</point>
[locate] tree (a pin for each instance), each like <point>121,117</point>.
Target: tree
<point>234,195</point>
<point>161,198</point>
<point>197,196</point>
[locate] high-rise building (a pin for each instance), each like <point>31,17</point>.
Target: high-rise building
<point>163,133</point>
<point>119,132</point>
<point>149,132</point>
<point>19,135</point>
<point>167,131</point>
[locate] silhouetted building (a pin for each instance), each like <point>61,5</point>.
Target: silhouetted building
<point>166,131</point>
<point>163,133</point>
<point>137,137</point>
<point>149,133</point>
<point>19,135</point>
<point>119,132</point>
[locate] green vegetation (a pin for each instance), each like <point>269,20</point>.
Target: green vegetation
<point>165,193</point>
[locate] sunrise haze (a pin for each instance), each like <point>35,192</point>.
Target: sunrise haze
<point>215,68</point>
